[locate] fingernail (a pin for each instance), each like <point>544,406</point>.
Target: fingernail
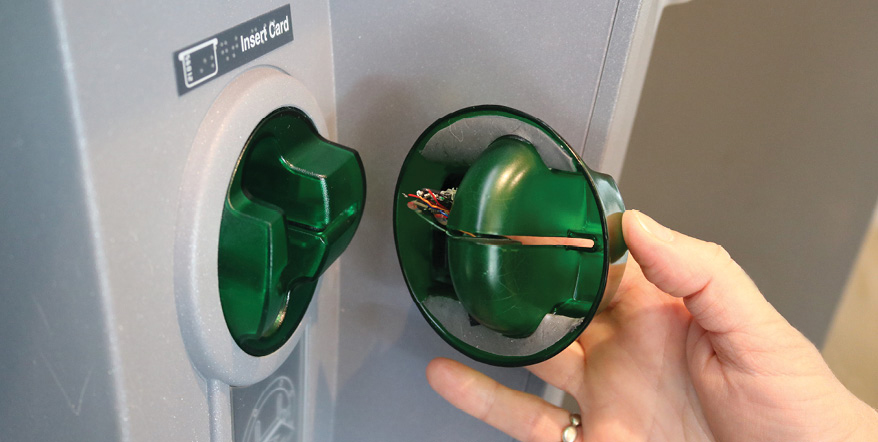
<point>655,229</point>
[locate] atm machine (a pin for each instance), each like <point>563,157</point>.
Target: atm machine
<point>157,284</point>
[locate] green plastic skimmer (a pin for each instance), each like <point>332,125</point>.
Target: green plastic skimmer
<point>489,292</point>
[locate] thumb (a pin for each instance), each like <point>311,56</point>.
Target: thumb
<point>717,292</point>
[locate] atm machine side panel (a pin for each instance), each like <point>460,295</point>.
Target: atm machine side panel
<point>93,166</point>
<point>57,371</point>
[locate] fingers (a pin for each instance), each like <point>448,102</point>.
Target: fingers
<point>716,291</point>
<point>523,416</point>
<point>565,371</point>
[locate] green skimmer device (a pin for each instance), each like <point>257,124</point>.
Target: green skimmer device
<point>522,248</point>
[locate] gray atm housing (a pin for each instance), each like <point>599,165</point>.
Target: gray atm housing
<point>94,152</point>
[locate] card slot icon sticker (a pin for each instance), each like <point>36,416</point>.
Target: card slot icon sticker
<point>213,56</point>
<point>199,63</point>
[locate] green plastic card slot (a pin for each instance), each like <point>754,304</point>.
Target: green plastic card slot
<point>292,207</point>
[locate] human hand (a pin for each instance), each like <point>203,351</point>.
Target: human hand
<point>689,349</point>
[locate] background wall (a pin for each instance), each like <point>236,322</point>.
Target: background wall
<point>758,129</point>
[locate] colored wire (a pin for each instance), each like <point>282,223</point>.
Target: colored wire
<point>425,201</point>
<point>436,199</point>
<point>417,205</point>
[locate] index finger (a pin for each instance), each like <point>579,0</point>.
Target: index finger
<point>523,416</point>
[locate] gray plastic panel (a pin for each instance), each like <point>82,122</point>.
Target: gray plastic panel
<point>463,141</point>
<point>398,69</point>
<point>272,409</point>
<point>56,376</point>
<point>133,138</point>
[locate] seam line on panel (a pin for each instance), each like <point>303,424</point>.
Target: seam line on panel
<point>93,219</point>
<point>597,92</point>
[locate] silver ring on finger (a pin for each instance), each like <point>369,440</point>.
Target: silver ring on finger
<point>571,431</point>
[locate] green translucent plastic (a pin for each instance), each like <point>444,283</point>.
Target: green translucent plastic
<point>502,284</point>
<point>510,287</point>
<point>292,207</point>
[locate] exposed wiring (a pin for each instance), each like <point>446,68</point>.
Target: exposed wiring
<point>437,200</point>
<point>436,204</point>
<point>426,201</point>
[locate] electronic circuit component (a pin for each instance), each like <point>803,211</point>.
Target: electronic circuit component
<point>436,204</point>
